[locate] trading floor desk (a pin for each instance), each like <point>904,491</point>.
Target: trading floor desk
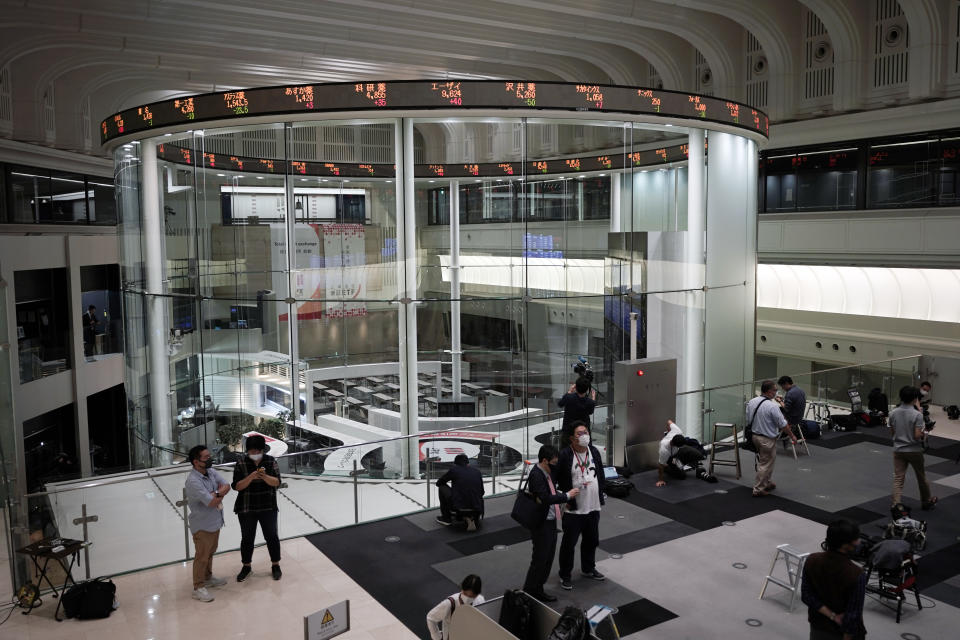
<point>53,549</point>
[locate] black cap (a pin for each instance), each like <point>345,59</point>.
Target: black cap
<point>256,442</point>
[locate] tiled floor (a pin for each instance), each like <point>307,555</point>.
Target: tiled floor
<point>156,604</point>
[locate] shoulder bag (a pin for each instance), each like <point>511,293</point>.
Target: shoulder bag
<point>526,509</point>
<point>748,430</point>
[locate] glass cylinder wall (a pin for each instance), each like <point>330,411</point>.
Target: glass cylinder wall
<point>342,281</point>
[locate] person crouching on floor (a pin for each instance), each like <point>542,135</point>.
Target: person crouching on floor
<point>678,452</point>
<point>468,596</point>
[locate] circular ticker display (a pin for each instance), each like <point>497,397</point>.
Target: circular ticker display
<point>432,94</point>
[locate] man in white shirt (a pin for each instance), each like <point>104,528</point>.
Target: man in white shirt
<point>666,463</point>
<point>767,422</point>
<point>468,596</point>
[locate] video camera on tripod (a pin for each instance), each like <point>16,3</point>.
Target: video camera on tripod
<point>582,368</point>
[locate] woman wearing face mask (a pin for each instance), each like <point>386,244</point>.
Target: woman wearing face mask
<point>580,467</point>
<point>469,595</point>
<point>255,479</point>
<point>834,586</point>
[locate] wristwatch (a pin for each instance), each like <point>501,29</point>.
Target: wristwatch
<point>216,493</point>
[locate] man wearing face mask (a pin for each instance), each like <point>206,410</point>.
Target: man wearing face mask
<point>256,479</point>
<point>544,537</point>
<point>580,467</point>
<point>469,596</point>
<point>205,490</point>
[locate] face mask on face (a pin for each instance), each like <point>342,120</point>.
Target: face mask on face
<point>924,392</point>
<point>208,463</point>
<point>256,457</point>
<point>467,599</point>
<point>584,440</point>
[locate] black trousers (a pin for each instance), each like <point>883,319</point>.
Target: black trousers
<point>248,532</point>
<point>446,502</point>
<point>544,540</point>
<point>585,527</point>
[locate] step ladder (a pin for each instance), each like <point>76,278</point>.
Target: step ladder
<point>801,441</point>
<point>794,560</point>
<point>735,462</point>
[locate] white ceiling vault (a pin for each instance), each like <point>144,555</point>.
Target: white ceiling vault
<point>67,64</point>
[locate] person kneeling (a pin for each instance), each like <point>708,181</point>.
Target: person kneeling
<point>677,454</point>
<point>463,502</point>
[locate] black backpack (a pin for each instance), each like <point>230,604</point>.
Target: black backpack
<point>618,487</point>
<point>91,599</point>
<point>515,614</point>
<point>572,625</point>
<point>953,412</point>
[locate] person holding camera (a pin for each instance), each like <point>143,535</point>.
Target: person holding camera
<point>255,479</point>
<point>438,620</point>
<point>578,405</point>
<point>907,427</point>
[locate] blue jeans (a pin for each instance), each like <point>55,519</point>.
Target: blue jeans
<point>248,532</point>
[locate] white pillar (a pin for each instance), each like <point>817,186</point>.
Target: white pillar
<point>157,328</point>
<point>290,215</point>
<point>406,293</point>
<point>615,202</point>
<point>455,348</point>
<point>690,371</point>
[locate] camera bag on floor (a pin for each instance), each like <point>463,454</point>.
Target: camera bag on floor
<point>572,625</point>
<point>810,429</point>
<point>91,599</point>
<point>953,412</point>
<point>618,487</point>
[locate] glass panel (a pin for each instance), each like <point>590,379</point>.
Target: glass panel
<point>43,328</point>
<point>101,201</point>
<point>102,324</point>
<point>68,199</point>
<point>28,197</point>
<point>902,174</point>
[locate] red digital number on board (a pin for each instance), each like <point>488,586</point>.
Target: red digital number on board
<point>506,167</point>
<point>376,92</point>
<point>591,93</point>
<point>526,91</point>
<point>301,95</point>
<point>450,91</point>
<point>437,169</point>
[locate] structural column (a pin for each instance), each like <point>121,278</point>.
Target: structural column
<point>456,350</point>
<point>292,324</point>
<point>406,295</point>
<point>615,202</point>
<point>690,367</point>
<point>156,302</point>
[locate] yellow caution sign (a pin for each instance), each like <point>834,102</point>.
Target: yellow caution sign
<point>327,618</point>
<point>327,622</point>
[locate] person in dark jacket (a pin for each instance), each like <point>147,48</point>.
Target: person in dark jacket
<point>255,479</point>
<point>466,494</point>
<point>580,467</point>
<point>577,404</point>
<point>541,484</point>
<point>834,586</point>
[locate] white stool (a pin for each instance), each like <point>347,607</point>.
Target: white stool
<point>794,559</point>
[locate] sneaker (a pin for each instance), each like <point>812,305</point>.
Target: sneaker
<point>275,571</point>
<point>444,521</point>
<point>244,572</point>
<point>760,494</point>
<point>214,581</point>
<point>771,487</point>
<point>594,575</point>
<point>566,584</point>
<point>927,506</point>
<point>202,595</point>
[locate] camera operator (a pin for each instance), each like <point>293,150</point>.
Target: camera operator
<point>925,397</point>
<point>578,404</point>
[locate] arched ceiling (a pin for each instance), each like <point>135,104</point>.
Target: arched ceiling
<point>95,57</point>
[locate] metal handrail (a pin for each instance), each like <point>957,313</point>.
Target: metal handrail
<point>805,373</point>
<point>131,476</point>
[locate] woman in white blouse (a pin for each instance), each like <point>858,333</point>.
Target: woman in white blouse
<point>469,595</point>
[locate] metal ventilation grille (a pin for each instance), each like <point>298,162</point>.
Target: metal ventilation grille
<point>703,75</point>
<point>653,77</point>
<point>338,143</point>
<point>890,44</point>
<point>260,143</point>
<point>818,66</point>
<point>376,143</point>
<point>757,73</point>
<point>49,115</point>
<point>955,67</point>
<point>6,99</point>
<point>221,143</point>
<point>86,124</point>
<point>303,143</point>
